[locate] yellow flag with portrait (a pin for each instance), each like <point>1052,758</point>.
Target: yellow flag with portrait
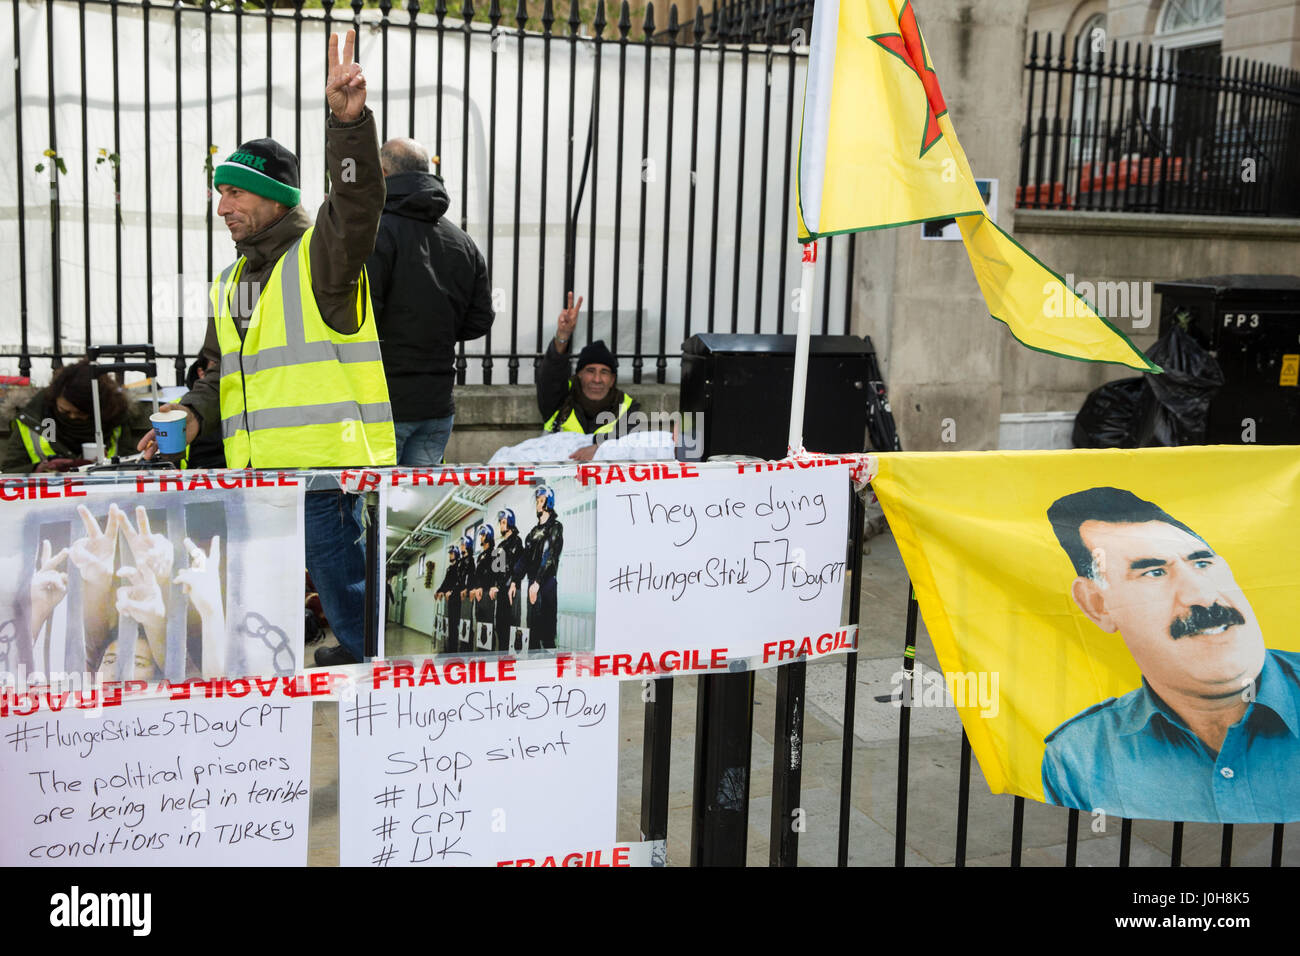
<point>1135,611</point>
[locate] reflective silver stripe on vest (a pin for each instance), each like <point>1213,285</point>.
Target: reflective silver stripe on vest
<point>229,363</point>
<point>224,287</point>
<point>224,277</point>
<point>294,332</point>
<point>297,350</point>
<point>293,416</point>
<point>279,356</point>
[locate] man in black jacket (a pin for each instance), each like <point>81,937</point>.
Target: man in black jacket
<point>429,286</point>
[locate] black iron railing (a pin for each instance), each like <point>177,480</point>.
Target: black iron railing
<point>1136,128</point>
<point>763,21</point>
<point>655,177</point>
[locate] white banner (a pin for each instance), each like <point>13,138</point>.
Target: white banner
<point>158,783</point>
<point>512,770</point>
<point>736,557</point>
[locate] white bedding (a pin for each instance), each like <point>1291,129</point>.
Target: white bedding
<point>558,446</point>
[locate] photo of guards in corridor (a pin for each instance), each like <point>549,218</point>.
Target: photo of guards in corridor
<point>513,568</point>
<point>1212,734</point>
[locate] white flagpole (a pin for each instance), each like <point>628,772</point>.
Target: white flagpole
<point>808,272</point>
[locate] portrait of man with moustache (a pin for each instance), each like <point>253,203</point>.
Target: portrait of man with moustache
<point>1213,732</point>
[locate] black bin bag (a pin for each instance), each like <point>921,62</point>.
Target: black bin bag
<point>1106,419</point>
<point>1174,406</point>
<point>1166,409</point>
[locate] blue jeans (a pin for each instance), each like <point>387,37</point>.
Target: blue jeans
<point>336,560</point>
<point>423,443</point>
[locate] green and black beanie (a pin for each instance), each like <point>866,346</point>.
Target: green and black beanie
<point>262,167</point>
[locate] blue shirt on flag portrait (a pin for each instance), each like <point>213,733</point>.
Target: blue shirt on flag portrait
<point>1135,758</point>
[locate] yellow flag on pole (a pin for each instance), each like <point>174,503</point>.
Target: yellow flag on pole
<point>878,149</point>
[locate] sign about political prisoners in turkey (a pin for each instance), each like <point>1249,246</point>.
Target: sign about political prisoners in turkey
<point>158,783</point>
<point>165,575</point>
<point>745,560</point>
<point>523,767</point>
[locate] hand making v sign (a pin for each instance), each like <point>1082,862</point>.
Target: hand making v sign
<point>345,89</point>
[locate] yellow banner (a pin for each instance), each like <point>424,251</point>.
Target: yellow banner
<point>878,149</point>
<point>1135,612</point>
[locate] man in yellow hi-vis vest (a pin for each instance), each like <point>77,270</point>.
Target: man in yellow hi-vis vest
<point>589,404</point>
<point>300,383</point>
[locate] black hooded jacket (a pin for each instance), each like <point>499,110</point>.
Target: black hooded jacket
<point>429,286</point>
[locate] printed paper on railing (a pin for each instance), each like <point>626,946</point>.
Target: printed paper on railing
<point>150,577</point>
<point>1135,611</point>
<point>633,570</point>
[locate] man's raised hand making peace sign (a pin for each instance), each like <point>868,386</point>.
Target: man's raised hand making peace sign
<point>345,89</point>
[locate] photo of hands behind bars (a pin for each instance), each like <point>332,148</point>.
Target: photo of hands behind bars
<point>127,571</point>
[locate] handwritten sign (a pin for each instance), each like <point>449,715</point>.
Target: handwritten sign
<point>725,560</point>
<point>514,773</point>
<point>203,783</point>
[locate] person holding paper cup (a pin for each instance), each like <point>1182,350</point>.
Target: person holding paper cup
<point>300,380</point>
<point>56,428</point>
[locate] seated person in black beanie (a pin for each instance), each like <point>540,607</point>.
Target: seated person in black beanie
<point>589,403</point>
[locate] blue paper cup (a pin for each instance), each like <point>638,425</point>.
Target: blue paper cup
<point>169,430</point>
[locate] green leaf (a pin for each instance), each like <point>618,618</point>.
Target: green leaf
<point>40,167</point>
<point>58,161</point>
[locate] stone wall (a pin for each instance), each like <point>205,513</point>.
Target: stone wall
<point>953,371</point>
<point>1267,31</point>
<point>1145,249</point>
<point>918,300</point>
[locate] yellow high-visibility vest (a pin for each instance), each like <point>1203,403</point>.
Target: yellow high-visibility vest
<point>39,448</point>
<point>294,392</point>
<point>571,424</point>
